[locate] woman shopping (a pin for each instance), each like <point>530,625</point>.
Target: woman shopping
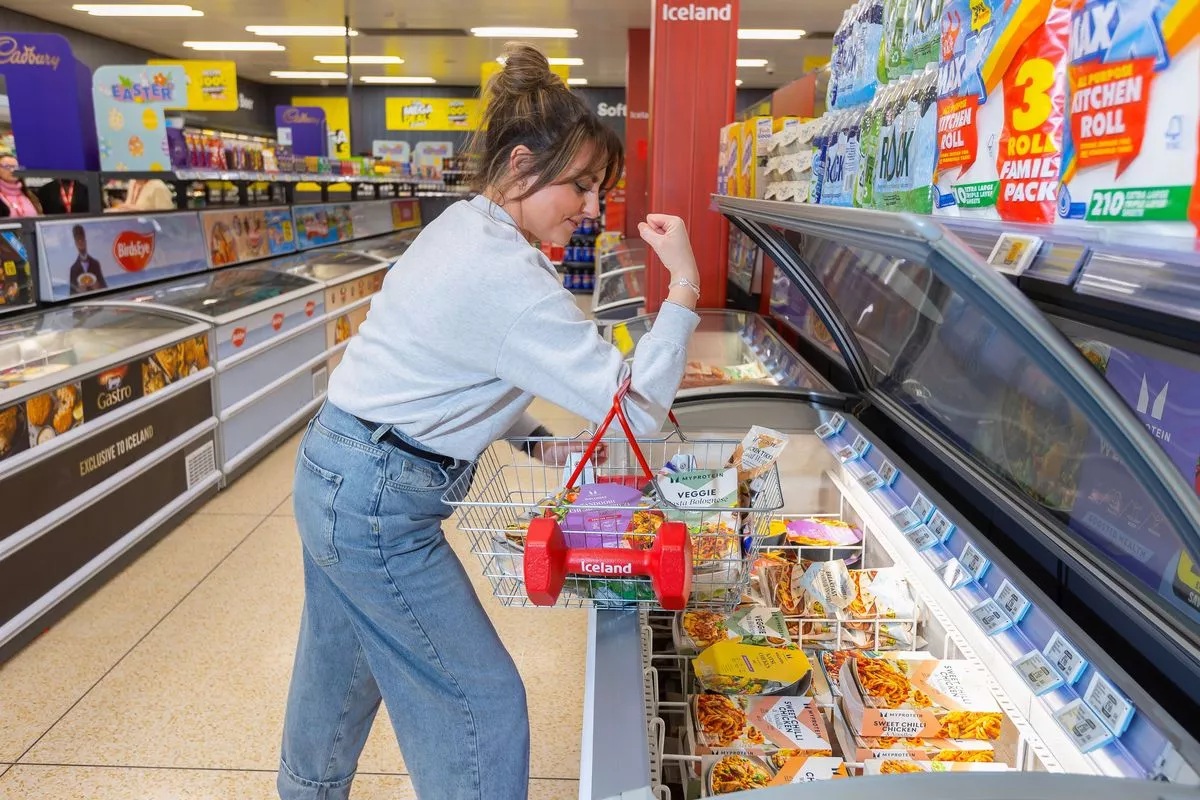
<point>472,323</point>
<point>15,199</point>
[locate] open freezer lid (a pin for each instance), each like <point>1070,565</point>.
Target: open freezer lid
<point>328,267</point>
<point>937,340</point>
<point>221,296</point>
<point>388,247</point>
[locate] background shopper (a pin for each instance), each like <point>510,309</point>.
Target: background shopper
<point>151,195</point>
<point>472,323</point>
<point>15,199</point>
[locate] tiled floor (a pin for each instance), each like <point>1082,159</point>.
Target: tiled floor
<point>170,681</point>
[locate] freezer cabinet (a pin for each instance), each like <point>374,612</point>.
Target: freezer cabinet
<point>269,351</point>
<point>1043,534</point>
<point>107,434</point>
<point>350,279</point>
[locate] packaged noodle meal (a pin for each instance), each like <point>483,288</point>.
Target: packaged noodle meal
<point>900,766</point>
<point>807,769</point>
<point>756,454</point>
<point>697,630</point>
<point>734,773</point>
<point>761,726</point>
<point>860,748</point>
<point>735,668</point>
<point>921,698</point>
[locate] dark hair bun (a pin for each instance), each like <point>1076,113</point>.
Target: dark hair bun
<point>526,84</point>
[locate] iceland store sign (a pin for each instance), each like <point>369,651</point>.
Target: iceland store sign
<point>40,73</point>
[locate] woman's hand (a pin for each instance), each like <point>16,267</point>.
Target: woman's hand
<point>558,453</point>
<point>669,237</point>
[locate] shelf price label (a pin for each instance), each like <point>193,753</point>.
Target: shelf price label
<point>991,617</point>
<point>888,472</point>
<point>1083,726</point>
<point>831,427</point>
<point>1014,252</point>
<point>861,446</point>
<point>974,561</point>
<point>1015,604</point>
<point>921,538</point>
<point>904,519</point>
<point>845,453</point>
<point>871,481</point>
<point>1110,705</point>
<point>922,507</point>
<point>941,526</point>
<point>1041,676</point>
<point>955,575</point>
<point>1065,658</point>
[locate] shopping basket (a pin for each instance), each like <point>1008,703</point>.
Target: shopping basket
<point>508,503</point>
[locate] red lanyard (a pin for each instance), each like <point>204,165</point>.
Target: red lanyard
<point>68,197</point>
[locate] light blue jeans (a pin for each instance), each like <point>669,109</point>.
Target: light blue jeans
<point>389,613</point>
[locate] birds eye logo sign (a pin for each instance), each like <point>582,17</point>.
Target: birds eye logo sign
<point>133,251</point>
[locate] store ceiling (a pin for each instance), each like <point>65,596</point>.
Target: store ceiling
<point>452,60</point>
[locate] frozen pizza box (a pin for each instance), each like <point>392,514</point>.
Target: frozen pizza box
<point>858,749</point>
<point>918,698</point>
<point>900,766</point>
<point>760,726</point>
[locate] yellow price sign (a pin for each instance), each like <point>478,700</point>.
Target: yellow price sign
<point>10,268</point>
<point>432,113</point>
<point>212,85</point>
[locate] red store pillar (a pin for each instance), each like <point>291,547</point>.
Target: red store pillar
<point>637,128</point>
<point>692,94</point>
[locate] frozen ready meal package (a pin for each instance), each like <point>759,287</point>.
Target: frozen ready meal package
<point>1001,108</point>
<point>919,698</point>
<point>1134,115</point>
<point>734,667</point>
<point>759,725</point>
<point>900,766</point>
<point>858,748</point>
<point>807,769</point>
<point>695,631</point>
<point>735,772</point>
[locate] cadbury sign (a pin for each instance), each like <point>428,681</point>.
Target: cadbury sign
<point>25,55</point>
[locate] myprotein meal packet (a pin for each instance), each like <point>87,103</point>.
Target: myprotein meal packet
<point>736,668</point>
<point>757,453</point>
<point>900,766</point>
<point>806,769</point>
<point>732,773</point>
<point>695,631</point>
<point>759,725</point>
<point>858,748</point>
<point>926,698</point>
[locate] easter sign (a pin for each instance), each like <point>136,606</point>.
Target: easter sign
<point>130,101</point>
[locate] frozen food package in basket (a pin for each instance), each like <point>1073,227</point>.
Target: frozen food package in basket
<point>762,726</point>
<point>734,773</point>
<point>900,766</point>
<point>1131,142</point>
<point>697,630</point>
<point>925,698</point>
<point>808,769</point>
<point>600,515</point>
<point>757,453</point>
<point>732,667</point>
<point>1001,108</point>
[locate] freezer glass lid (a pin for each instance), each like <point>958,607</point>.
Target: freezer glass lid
<point>954,364</point>
<point>396,242</point>
<point>216,294</point>
<point>328,265</point>
<point>619,287</point>
<point>732,348</point>
<point>41,344</point>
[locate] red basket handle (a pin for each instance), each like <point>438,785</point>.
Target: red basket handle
<point>618,412</point>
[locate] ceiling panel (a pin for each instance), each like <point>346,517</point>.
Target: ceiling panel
<point>451,60</point>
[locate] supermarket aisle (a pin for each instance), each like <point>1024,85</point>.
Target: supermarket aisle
<point>170,681</point>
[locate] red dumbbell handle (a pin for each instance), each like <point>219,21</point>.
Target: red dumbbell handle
<point>618,412</point>
<point>606,563</point>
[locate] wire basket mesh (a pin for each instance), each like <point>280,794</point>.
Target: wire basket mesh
<point>495,502</point>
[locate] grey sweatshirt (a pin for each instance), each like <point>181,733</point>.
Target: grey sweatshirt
<point>472,323</point>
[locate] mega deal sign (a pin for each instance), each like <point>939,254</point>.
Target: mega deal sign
<point>211,85</point>
<point>432,114</point>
